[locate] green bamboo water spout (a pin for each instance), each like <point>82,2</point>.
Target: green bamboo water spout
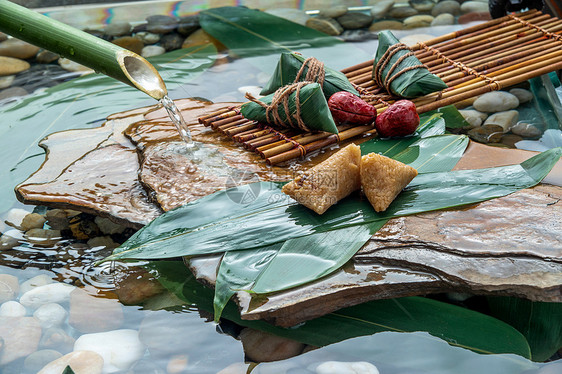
<point>81,47</point>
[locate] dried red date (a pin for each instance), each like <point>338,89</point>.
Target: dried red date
<point>347,108</point>
<point>400,119</point>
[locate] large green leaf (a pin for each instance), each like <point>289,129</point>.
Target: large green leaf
<point>539,322</point>
<point>458,326</point>
<point>77,104</point>
<point>274,217</point>
<point>305,259</point>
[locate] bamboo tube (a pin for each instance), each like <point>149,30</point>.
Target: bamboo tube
<point>202,119</point>
<point>331,139</point>
<point>218,117</point>
<point>358,66</point>
<point>228,125</point>
<point>238,129</point>
<point>88,50</point>
<point>251,135</point>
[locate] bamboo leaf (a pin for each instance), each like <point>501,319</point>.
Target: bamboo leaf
<point>305,259</point>
<point>458,326</point>
<point>539,322</point>
<point>273,217</point>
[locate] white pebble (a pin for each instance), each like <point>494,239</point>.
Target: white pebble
<point>70,65</point>
<point>39,280</point>
<point>523,95</point>
<point>497,101</point>
<point>15,216</point>
<point>152,50</point>
<point>119,348</point>
<point>526,130</point>
<point>50,315</point>
<point>12,309</point>
<point>33,221</point>
<point>10,239</point>
<point>338,367</point>
<point>50,293</point>
<point>473,117</point>
<point>506,119</point>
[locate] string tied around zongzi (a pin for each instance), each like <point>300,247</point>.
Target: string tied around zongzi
<point>385,60</point>
<point>281,97</point>
<point>316,72</point>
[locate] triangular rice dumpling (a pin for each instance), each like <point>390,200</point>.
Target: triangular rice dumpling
<point>328,182</point>
<point>383,178</point>
<point>314,110</point>
<point>413,83</point>
<point>288,67</point>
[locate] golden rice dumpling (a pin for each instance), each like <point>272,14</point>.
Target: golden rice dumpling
<point>383,178</point>
<point>328,182</point>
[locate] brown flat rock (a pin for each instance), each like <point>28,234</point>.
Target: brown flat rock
<point>92,170</point>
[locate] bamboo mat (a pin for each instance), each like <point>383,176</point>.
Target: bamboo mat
<point>479,59</point>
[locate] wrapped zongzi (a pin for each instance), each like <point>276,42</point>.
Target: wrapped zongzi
<point>307,108</point>
<point>399,77</point>
<point>290,65</point>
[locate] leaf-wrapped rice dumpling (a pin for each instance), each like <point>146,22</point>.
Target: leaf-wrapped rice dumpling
<point>413,82</point>
<point>290,65</point>
<point>305,103</point>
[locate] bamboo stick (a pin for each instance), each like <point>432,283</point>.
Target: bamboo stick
<point>231,131</point>
<point>331,139</point>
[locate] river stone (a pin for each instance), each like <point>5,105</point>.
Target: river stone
<point>447,6</point>
<point>21,337</point>
<point>443,19</point>
<point>357,35</point>
<point>260,346</point>
<point>474,6</point>
<point>9,287</point>
<point>380,8</point>
<point>57,219</point>
<point>33,221</point>
<point>486,134</point>
<point>18,49</point>
<point>49,293</point>
<point>474,16</point>
<point>422,5</point>
<point>129,42</point>
<point>50,315</point>
<point>37,360</point>
<point>386,25</point>
<point>402,12</point>
<point>160,24</point>
<point>6,81</point>
<point>355,20</point>
<point>13,92</point>
<point>118,28</point>
<point>12,309</point>
<point>70,65</point>
<point>338,367</point>
<point>326,25</point>
<point>108,227</point>
<point>94,314</point>
<point>510,140</point>
<point>14,217</point>
<point>523,95</point>
<point>505,119</point>
<point>134,287</point>
<point>473,117</point>
<point>3,36</point>
<point>171,41</point>
<point>43,237</point>
<point>188,24</point>
<point>200,37</point>
<point>11,66</point>
<point>46,57</point>
<point>417,21</point>
<point>496,101</point>
<point>81,362</point>
<point>10,239</point>
<point>411,40</point>
<point>526,130</point>
<point>147,37</point>
<point>56,338</point>
<point>36,281</point>
<point>290,14</point>
<point>102,242</point>
<point>333,12</point>
<point>118,348</point>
